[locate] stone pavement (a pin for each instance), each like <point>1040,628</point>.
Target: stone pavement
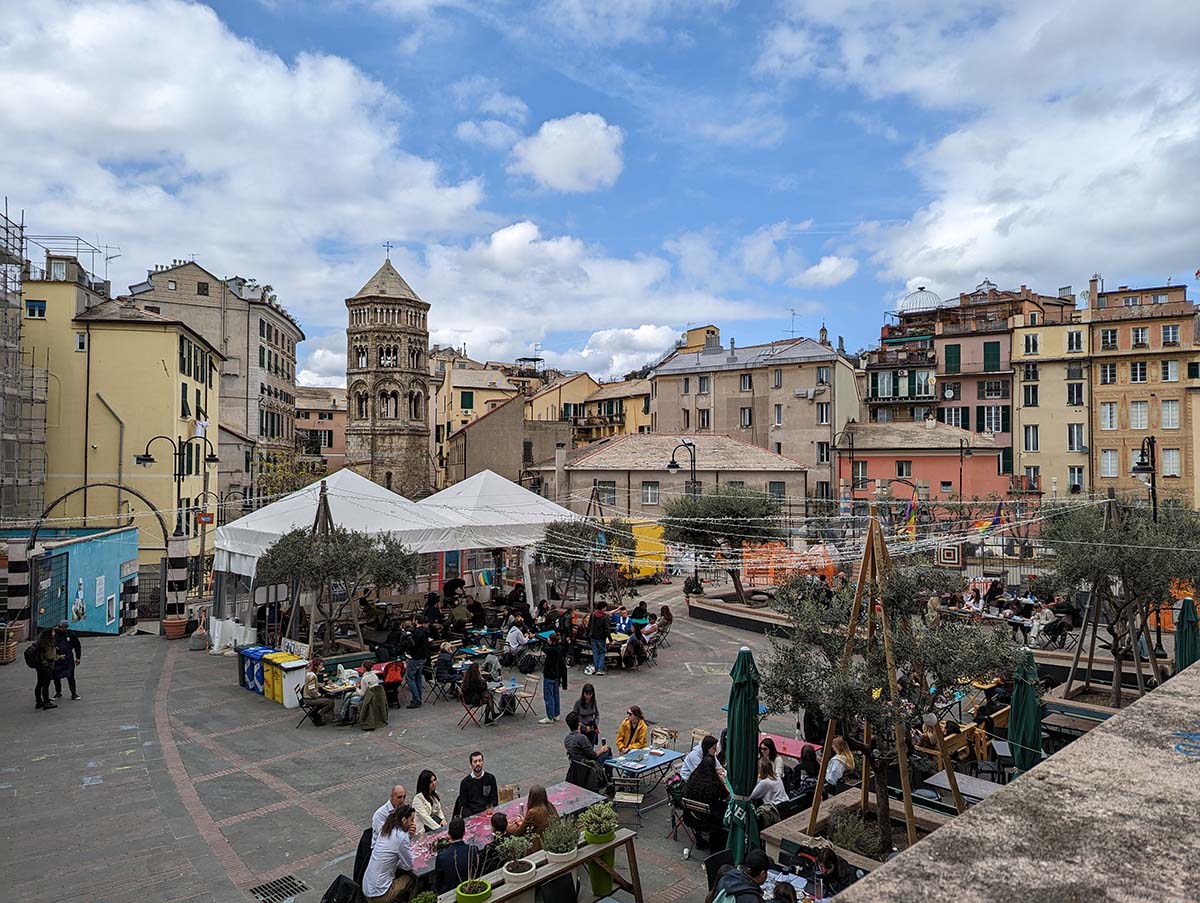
<point>170,782</point>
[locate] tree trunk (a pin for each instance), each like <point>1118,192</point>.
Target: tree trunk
<point>882,807</point>
<point>737,585</point>
<point>1114,699</point>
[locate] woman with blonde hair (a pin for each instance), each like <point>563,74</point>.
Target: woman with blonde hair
<point>840,763</point>
<point>538,812</point>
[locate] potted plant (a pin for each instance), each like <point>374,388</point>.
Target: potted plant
<point>692,586</point>
<point>473,890</point>
<point>512,851</point>
<point>599,824</point>
<point>560,840</point>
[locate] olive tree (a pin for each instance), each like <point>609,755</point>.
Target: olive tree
<point>601,550</point>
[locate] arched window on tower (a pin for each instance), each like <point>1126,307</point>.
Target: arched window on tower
<point>360,405</point>
<point>360,355</point>
<point>414,358</point>
<point>387,480</point>
<point>416,406</point>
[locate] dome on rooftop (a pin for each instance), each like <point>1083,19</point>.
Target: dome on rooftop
<point>921,299</point>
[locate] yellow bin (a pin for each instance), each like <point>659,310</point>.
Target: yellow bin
<point>273,675</point>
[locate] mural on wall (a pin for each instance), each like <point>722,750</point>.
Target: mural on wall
<point>79,607</point>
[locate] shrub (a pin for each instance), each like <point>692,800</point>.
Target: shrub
<point>514,847</point>
<point>600,818</point>
<point>848,831</point>
<point>561,836</point>
<point>425,896</point>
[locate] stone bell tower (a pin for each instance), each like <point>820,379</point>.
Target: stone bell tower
<point>387,384</point>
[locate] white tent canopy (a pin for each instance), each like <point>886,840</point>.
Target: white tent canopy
<point>489,505</point>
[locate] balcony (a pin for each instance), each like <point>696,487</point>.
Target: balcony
<point>902,399</point>
<point>1021,485</point>
<point>915,357</point>
<point>599,420</point>
<point>976,326</point>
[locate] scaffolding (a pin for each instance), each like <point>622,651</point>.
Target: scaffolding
<point>23,392</point>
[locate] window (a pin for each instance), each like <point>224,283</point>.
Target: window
<point>1140,335</point>
<point>1137,372</point>
<point>650,492</point>
<point>991,356</point>
<point>687,386</point>
<point>1139,415</point>
<point>777,378</point>
<point>1033,319</point>
<point>1171,463</point>
<point>1074,340</point>
<point>1030,373</point>
<point>1108,340</point>
<point>702,419</point>
<point>1108,374</point>
<point>1075,437</point>
<point>1130,301</point>
<point>746,417</point>
<point>1109,462</point>
<point>882,384</point>
<point>778,447</point>
<point>262,356</point>
<point>1170,371</point>
<point>1108,415</point>
<point>702,384</point>
<point>1075,476</point>
<point>947,486</point>
<point>35,310</point>
<point>1193,370</point>
<point>859,475</point>
<point>1075,394</point>
<point>152,309</point>
<point>687,418</point>
<point>993,388</point>
<point>1029,396</point>
<point>904,469</point>
<point>262,328</point>
<point>184,410</point>
<point>747,382</point>
<point>823,490</point>
<point>1033,474</point>
<point>992,419</point>
<point>822,452</point>
<point>171,285</point>
<point>466,400</point>
<point>81,341</point>
<point>779,415</point>
<point>1032,340</point>
<point>1170,414</point>
<point>1170,335</point>
<point>201,288</point>
<point>822,376</point>
<point>952,416</point>
<point>777,490</point>
<point>736,484</point>
<point>952,355</point>
<point>1160,298</point>
<point>1032,438</point>
<point>606,492</point>
<point>823,413</point>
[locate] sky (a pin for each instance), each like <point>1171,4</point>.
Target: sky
<point>583,180</point>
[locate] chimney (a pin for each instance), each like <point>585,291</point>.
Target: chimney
<point>732,351</point>
<point>1065,292</point>
<point>560,472</point>
<point>1094,291</point>
<point>841,345</point>
<point>711,341</point>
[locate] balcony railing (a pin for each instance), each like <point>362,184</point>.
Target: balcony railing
<point>1019,483</point>
<point>901,358</point>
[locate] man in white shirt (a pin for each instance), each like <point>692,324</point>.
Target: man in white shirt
<point>516,641</point>
<point>398,798</point>
<point>389,875</point>
<point>706,747</point>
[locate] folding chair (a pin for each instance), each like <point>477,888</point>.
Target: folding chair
<point>442,689</point>
<point>713,863</point>
<point>310,710</point>
<point>471,713</point>
<point>526,695</point>
<point>652,653</point>
<point>663,736</point>
<point>698,734</point>
<point>627,794</point>
<point>695,815</point>
<point>663,631</point>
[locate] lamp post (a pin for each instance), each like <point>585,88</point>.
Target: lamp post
<point>1146,470</point>
<point>964,451</point>
<point>673,465</point>
<point>179,445</point>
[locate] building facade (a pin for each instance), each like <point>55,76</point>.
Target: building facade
<point>257,338</point>
<point>504,442</point>
<point>387,384</point>
<point>464,395</point>
<point>564,399</point>
<point>321,427</point>
<point>790,398</point>
<point>615,409</point>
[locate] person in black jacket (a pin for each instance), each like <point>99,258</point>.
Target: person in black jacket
<point>418,657</point>
<point>554,678</point>
<point>478,791</point>
<point>457,862</point>
<point>599,632</point>
<point>69,655</point>
<point>744,883</point>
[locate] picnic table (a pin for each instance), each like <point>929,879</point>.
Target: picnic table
<point>652,764</point>
<point>788,746</point>
<point>975,789</point>
<point>1069,724</point>
<point>567,799</point>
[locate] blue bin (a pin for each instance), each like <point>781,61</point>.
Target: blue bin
<point>254,667</point>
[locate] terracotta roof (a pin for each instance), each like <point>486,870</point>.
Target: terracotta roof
<point>626,388</point>
<point>387,283</point>
<point>120,312</point>
<point>925,435</point>
<point>480,379</point>
<point>652,451</point>
<point>558,383</point>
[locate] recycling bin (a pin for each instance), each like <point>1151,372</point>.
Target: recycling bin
<point>291,679</point>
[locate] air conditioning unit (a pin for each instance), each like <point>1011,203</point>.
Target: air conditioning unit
<point>902,374</point>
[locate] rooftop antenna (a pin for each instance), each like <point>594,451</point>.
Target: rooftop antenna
<point>793,329</point>
<point>387,249</point>
<point>108,257</point>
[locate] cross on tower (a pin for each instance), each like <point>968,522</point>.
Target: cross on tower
<point>387,249</point>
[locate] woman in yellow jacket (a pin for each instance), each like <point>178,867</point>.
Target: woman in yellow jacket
<point>632,732</point>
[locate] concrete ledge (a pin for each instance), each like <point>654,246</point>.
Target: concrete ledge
<point>1114,816</point>
<point>734,614</point>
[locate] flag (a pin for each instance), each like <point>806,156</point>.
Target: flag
<point>910,519</point>
<point>988,524</point>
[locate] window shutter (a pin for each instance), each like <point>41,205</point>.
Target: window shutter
<point>1006,460</point>
<point>953,358</point>
<point>875,384</point>
<point>966,418</point>
<point>1004,389</point>
<point>1006,420</point>
<point>991,356</point>
<point>941,415</point>
<point>979,389</point>
<point>912,383</point>
<point>979,418</point>
<point>1193,370</point>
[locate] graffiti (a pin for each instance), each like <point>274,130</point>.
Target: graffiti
<point>1189,743</point>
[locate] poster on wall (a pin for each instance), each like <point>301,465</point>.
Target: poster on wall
<point>79,607</point>
<point>112,608</point>
<point>100,591</point>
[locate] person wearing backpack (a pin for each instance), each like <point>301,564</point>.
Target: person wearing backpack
<point>744,883</point>
<point>70,653</point>
<point>44,655</point>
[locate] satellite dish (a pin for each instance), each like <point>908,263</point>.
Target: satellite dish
<point>949,392</point>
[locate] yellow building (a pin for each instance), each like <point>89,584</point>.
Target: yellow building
<point>463,396</point>
<point>565,399</point>
<point>614,410</point>
<point>119,377</point>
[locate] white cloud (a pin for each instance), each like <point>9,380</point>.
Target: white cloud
<point>758,129</point>
<point>615,352</point>
<point>578,153</point>
<point>483,94</point>
<point>787,52</point>
<point>323,360</point>
<point>828,271</point>
<point>625,21</point>
<point>491,133</point>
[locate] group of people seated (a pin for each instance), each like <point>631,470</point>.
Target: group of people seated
<point>744,883</point>
<point>598,629</point>
<point>1033,617</point>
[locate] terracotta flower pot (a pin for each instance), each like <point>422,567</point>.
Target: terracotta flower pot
<point>174,628</point>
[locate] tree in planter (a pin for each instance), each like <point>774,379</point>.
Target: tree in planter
<point>1127,559</point>
<point>720,521</point>
<point>805,668</point>
<point>602,551</point>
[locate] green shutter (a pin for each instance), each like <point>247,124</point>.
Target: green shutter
<point>1006,419</point>
<point>991,356</point>
<point>1006,460</point>
<point>966,417</point>
<point>875,384</point>
<point>1193,370</point>
<point>979,418</point>
<point>912,383</point>
<point>941,415</point>
<point>953,358</point>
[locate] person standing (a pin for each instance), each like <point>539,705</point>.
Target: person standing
<point>47,655</point>
<point>66,644</point>
<point>478,791</point>
<point>554,678</point>
<point>418,655</point>
<point>599,632</point>
<point>588,711</point>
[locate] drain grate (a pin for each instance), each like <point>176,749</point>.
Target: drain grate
<point>280,890</point>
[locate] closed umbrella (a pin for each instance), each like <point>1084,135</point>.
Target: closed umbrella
<point>741,756</point>
<point>1187,636</point>
<point>1025,717</point>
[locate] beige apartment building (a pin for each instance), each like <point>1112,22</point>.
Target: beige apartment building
<point>321,427</point>
<point>563,399</point>
<point>1052,404</point>
<point>615,409</point>
<point>504,442</point>
<point>463,395</point>
<point>1144,378</point>
<point>789,397</point>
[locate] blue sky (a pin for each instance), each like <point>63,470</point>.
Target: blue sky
<point>587,178</point>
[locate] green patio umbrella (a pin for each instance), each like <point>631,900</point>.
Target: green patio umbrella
<point>741,756</point>
<point>1187,636</point>
<point>1025,718</point>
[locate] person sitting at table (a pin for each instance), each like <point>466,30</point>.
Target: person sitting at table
<point>707,786</point>
<point>650,631</point>
<point>995,592</point>
<point>580,754</point>
<point>632,732</point>
<point>769,789</point>
<point>538,812</point>
<point>502,827</point>
<point>517,639</point>
<point>841,763</point>
<point>833,872</point>
<point>491,668</point>
<point>620,620</point>
<point>665,618</point>
<point>542,615</point>
<point>633,653</point>
<point>433,608</point>
<point>476,692</point>
<point>315,697</point>
<point>453,588</point>
<point>457,862</point>
<point>639,612</point>
<point>398,797</point>
<point>767,750</point>
<point>443,668</point>
<point>784,893</point>
<point>1065,609</point>
<point>973,603</point>
<point>703,749</point>
<point>804,776</point>
<point>587,710</point>
<point>933,611</point>
<point>478,791</point>
<point>478,613</point>
<point>1046,621</point>
<point>428,805</point>
<point>389,876</point>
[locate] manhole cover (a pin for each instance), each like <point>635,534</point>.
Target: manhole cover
<point>280,890</point>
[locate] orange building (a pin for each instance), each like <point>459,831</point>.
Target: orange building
<point>321,427</point>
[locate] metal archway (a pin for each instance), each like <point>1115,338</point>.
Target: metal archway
<point>66,495</point>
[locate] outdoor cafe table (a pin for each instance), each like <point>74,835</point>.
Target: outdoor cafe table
<point>974,789</point>
<point>567,799</point>
<point>1069,725</point>
<point>647,766</point>
<point>786,746</point>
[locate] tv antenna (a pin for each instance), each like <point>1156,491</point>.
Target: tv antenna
<point>108,257</point>
<point>793,327</point>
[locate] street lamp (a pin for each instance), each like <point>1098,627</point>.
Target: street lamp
<point>1146,470</point>
<point>964,451</point>
<point>178,447</point>
<point>673,465</point>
